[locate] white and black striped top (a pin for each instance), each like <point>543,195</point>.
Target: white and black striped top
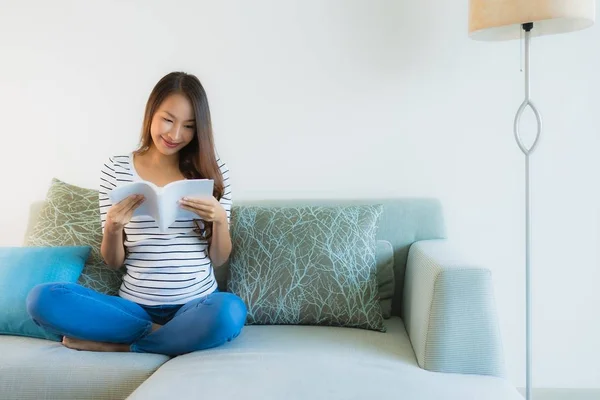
<point>162,268</point>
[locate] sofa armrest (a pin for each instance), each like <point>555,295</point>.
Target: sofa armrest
<point>450,312</point>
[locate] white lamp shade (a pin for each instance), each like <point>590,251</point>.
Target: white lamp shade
<point>502,19</point>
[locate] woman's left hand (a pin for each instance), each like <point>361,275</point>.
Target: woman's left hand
<point>207,208</point>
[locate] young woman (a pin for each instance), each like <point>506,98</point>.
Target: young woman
<point>168,302</point>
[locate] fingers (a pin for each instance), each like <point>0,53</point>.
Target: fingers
<point>199,207</point>
<point>198,201</point>
<point>128,205</point>
<point>128,202</point>
<point>207,209</point>
<point>129,212</point>
<point>206,215</point>
<point>136,203</point>
<point>196,208</point>
<point>192,209</point>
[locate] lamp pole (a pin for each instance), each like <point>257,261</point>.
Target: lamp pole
<point>527,151</point>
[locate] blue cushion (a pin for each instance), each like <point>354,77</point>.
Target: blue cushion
<point>22,268</point>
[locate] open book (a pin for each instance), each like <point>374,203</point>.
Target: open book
<point>162,203</point>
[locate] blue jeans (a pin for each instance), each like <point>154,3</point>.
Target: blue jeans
<point>71,310</point>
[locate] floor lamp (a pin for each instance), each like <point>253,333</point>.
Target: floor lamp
<point>494,20</point>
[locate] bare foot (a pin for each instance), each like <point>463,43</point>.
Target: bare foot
<point>88,345</point>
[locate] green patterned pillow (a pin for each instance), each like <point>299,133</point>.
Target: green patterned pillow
<point>312,265</point>
<point>70,216</point>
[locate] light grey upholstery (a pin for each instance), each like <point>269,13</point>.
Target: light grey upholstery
<point>36,369</point>
<point>450,312</point>
<point>308,362</point>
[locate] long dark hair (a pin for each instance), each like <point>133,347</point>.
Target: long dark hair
<point>198,159</point>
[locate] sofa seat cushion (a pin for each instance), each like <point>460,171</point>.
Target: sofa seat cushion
<point>315,362</point>
<point>42,369</point>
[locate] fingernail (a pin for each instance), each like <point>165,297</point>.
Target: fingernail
<point>185,199</point>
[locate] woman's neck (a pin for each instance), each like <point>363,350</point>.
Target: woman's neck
<point>158,160</point>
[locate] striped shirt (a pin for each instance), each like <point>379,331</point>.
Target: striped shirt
<point>162,268</point>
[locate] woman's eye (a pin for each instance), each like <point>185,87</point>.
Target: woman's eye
<point>190,126</point>
<point>168,120</point>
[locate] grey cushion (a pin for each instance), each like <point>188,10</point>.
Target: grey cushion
<point>307,265</point>
<point>315,362</point>
<point>385,276</point>
<point>41,369</point>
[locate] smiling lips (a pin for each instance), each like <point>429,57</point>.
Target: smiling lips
<point>169,144</point>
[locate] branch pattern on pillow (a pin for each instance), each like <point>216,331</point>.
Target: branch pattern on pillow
<point>311,265</point>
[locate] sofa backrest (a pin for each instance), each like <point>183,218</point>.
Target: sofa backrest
<point>404,221</point>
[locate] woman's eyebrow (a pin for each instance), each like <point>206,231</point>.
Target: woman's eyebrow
<point>174,117</point>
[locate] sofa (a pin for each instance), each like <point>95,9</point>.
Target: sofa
<point>441,339</point>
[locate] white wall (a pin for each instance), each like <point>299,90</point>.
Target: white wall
<point>336,99</point>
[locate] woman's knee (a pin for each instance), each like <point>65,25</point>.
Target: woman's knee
<point>43,299</point>
<point>232,312</point>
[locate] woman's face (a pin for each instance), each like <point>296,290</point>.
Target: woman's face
<point>173,125</point>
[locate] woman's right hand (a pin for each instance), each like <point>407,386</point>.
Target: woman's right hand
<point>120,214</point>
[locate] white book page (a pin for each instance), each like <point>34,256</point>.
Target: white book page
<point>169,197</point>
<point>147,189</point>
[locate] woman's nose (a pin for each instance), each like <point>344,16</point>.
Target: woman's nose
<point>175,133</point>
